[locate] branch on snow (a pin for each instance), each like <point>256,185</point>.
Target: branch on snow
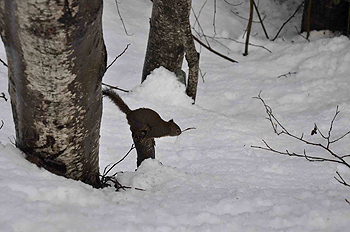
<point>280,129</point>
<point>107,181</point>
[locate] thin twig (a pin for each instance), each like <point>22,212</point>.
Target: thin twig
<point>213,51</point>
<point>296,28</point>
<point>246,18</point>
<point>121,19</point>
<point>287,74</point>
<point>127,46</point>
<point>202,7</point>
<point>202,75</point>
<point>341,180</point>
<point>105,172</point>
<point>214,18</point>
<point>285,23</point>
<point>275,123</point>
<point>3,96</point>
<point>231,4</point>
<point>115,87</point>
<point>224,38</point>
<point>261,21</point>
<point>3,62</point>
<point>199,25</point>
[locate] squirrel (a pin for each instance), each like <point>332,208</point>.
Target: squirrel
<point>144,123</point>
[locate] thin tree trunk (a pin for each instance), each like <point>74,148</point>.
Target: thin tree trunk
<point>56,58</point>
<point>326,15</point>
<point>170,37</point>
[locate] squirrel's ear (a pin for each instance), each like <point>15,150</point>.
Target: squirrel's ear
<point>171,120</point>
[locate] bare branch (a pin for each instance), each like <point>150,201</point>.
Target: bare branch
<point>279,129</point>
<point>246,18</point>
<point>127,46</point>
<point>224,38</point>
<point>105,171</point>
<point>121,19</point>
<point>261,21</point>
<point>3,62</point>
<point>115,87</point>
<point>287,74</point>
<point>341,180</point>
<point>199,25</point>
<point>285,23</point>
<point>213,51</point>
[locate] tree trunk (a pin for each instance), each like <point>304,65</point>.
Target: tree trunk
<point>326,15</point>
<point>170,37</point>
<point>56,59</point>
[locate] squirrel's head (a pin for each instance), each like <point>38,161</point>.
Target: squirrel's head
<point>174,128</point>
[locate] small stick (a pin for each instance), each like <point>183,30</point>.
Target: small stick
<point>106,172</point>
<point>115,87</point>
<point>127,46</point>
<point>3,62</point>
<point>287,74</point>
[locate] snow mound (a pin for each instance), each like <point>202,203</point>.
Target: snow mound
<point>163,86</point>
<point>150,174</point>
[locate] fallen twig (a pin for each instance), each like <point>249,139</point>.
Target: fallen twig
<point>287,74</point>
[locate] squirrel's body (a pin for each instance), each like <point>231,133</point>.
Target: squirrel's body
<point>144,122</point>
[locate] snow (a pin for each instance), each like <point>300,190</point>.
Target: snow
<point>209,178</point>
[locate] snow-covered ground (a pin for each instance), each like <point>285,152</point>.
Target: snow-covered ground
<point>210,178</point>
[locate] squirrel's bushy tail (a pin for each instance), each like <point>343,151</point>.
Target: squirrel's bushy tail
<point>116,99</point>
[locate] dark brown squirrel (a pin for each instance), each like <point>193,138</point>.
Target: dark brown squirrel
<point>144,123</point>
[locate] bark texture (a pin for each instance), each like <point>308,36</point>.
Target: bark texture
<point>56,58</point>
<point>170,38</point>
<point>326,15</point>
<point>144,150</point>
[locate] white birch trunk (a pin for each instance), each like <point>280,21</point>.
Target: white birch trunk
<point>56,58</point>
